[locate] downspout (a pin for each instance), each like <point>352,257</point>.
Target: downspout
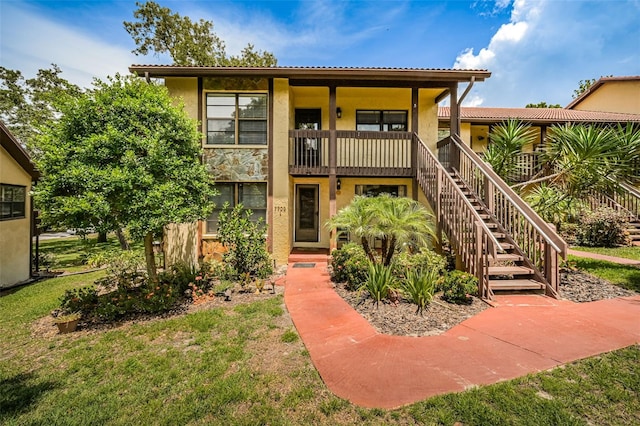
<point>464,95</point>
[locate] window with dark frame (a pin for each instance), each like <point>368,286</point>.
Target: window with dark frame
<point>12,201</point>
<point>252,196</point>
<point>236,119</point>
<point>375,190</point>
<point>381,121</point>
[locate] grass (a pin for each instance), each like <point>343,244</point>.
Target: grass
<point>632,253</point>
<point>70,254</point>
<point>245,365</point>
<point>622,275</point>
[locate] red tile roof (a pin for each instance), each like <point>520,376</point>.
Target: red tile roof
<point>538,115</point>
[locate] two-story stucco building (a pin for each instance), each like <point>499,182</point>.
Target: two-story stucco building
<point>296,144</point>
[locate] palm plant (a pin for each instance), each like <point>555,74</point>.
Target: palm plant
<point>397,222</point>
<point>553,205</point>
<point>507,140</point>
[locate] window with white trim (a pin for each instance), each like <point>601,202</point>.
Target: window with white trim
<point>236,119</point>
<point>252,196</point>
<point>12,201</point>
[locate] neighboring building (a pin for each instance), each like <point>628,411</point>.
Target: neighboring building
<point>610,94</point>
<point>17,173</point>
<point>296,144</point>
<point>476,122</point>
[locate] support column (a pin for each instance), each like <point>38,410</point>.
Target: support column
<point>332,161</point>
<point>414,142</point>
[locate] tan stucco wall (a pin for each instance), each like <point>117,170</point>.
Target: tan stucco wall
<point>281,201</point>
<point>614,96</point>
<point>14,233</point>
<point>181,243</point>
<point>185,89</point>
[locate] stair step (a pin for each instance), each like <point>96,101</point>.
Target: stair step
<point>515,285</point>
<point>485,216</point>
<point>509,270</point>
<point>505,257</point>
<point>507,246</point>
<point>499,235</point>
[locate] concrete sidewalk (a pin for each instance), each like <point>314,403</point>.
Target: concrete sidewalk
<point>523,334</point>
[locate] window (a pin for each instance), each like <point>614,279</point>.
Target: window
<point>375,190</point>
<point>236,119</point>
<point>12,201</point>
<point>252,196</point>
<point>385,121</point>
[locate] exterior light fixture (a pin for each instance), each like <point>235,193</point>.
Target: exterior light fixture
<point>338,184</point>
<point>339,112</point>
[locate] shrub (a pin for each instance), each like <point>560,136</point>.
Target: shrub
<point>246,243</point>
<point>419,286</point>
<point>603,228</point>
<point>82,300</point>
<point>457,285</point>
<point>349,264</point>
<point>380,280</point>
<point>425,260</point>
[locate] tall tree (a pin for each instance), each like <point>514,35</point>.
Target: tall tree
<point>160,31</point>
<point>583,86</point>
<point>124,155</point>
<point>28,105</point>
<point>543,105</point>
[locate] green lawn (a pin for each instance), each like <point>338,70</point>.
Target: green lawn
<point>245,365</point>
<point>623,275</point>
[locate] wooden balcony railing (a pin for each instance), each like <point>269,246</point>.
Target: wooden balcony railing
<point>357,153</point>
<point>537,241</point>
<point>468,235</point>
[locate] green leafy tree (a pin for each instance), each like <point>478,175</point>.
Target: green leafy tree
<point>543,105</point>
<point>397,222</point>
<point>187,42</point>
<point>583,86</point>
<point>28,105</point>
<point>122,155</point>
<point>506,142</point>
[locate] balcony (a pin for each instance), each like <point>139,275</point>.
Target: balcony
<point>356,153</point>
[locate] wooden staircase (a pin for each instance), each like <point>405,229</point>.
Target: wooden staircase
<point>634,233</point>
<point>508,271</point>
<point>493,232</point>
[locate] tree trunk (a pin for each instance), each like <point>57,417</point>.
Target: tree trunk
<point>150,258</point>
<point>102,237</point>
<point>391,248</point>
<point>124,244</point>
<point>367,249</point>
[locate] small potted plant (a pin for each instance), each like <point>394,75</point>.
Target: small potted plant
<point>67,323</point>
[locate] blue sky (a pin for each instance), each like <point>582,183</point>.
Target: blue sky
<point>537,50</point>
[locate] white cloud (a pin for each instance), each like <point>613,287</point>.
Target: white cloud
<point>547,47</point>
<point>29,41</point>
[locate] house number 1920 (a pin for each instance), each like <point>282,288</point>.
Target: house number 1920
<point>281,209</point>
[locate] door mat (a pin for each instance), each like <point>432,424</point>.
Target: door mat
<point>304,265</point>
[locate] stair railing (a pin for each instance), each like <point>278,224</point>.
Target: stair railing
<point>537,240</point>
<point>468,235</point>
<point>626,200</point>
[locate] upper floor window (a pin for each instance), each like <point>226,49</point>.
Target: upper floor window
<point>12,201</point>
<point>236,119</point>
<point>385,121</point>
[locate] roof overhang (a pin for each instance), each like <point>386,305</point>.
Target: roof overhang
<point>15,150</point>
<point>539,116</point>
<point>409,77</point>
<point>595,86</point>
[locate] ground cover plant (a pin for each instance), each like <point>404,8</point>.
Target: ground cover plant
<point>243,365</point>
<point>629,252</point>
<point>624,276</point>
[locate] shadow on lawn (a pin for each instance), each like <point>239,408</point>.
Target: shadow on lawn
<point>20,392</point>
<point>622,275</point>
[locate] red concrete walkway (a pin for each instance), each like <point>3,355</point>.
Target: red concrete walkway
<point>596,256</point>
<point>523,334</point>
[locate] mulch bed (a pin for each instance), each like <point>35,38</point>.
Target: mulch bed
<point>402,320</point>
